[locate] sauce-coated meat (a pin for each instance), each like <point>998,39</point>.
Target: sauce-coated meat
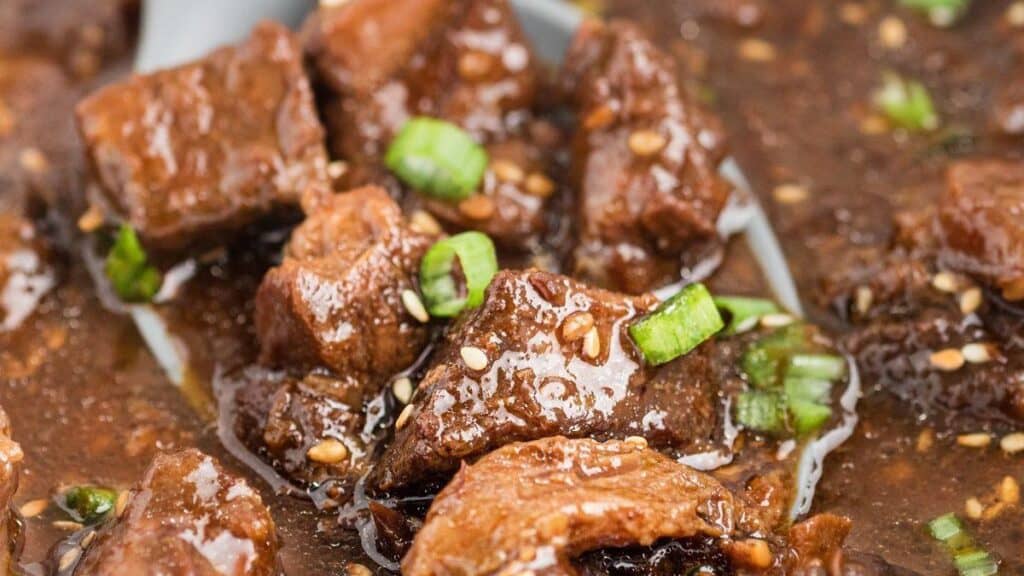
<point>187,516</point>
<point>542,379</point>
<point>191,153</point>
<point>25,276</point>
<point>645,162</point>
<point>534,507</point>
<point>10,456</point>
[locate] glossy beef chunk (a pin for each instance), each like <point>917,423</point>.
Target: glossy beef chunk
<point>39,151</point>
<point>25,275</point>
<point>194,152</point>
<point>536,506</point>
<point>544,376</point>
<point>10,457</point>
<point>465,61</point>
<point>187,516</point>
<point>645,162</point>
<point>982,223</point>
<point>335,301</point>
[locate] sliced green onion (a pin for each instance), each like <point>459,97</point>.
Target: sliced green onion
<point>743,313</point>
<point>128,269</point>
<point>945,527</point>
<point>808,416</point>
<point>89,504</point>
<point>906,103</point>
<point>824,366</point>
<point>443,292</point>
<point>809,389</point>
<point>763,360</point>
<point>941,13</point>
<point>977,563</point>
<point>761,411</point>
<point>437,158</point>
<point>678,325</point>
<point>968,558</point>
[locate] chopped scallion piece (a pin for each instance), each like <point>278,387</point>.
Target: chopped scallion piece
<point>941,13</point>
<point>474,254</point>
<point>89,504</point>
<point>437,158</point>
<point>809,389</point>
<point>975,563</point>
<point>743,313</point>
<point>824,366</point>
<point>968,558</point>
<point>761,411</point>
<point>945,527</point>
<point>808,416</point>
<point>128,268</point>
<point>678,325</point>
<point>906,103</point>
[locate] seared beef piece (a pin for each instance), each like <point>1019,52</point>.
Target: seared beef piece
<point>982,223</point>
<point>39,149</point>
<point>645,162</point>
<point>336,300</point>
<point>10,457</point>
<point>816,544</point>
<point>535,506</point>
<point>25,275</point>
<point>82,34</point>
<point>191,153</point>
<point>539,381</point>
<point>187,516</point>
<point>465,61</point>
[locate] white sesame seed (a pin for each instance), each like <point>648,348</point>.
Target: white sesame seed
<point>638,441</point>
<point>646,142</point>
<point>863,298</point>
<point>977,353</point>
<point>970,300</point>
<point>69,558</point>
<point>91,219</point>
<point>358,570</point>
<point>33,508</point>
<point>973,508</point>
<point>477,207</point>
<point>402,389</point>
<point>892,33</point>
<point>577,325</point>
<point>975,440</point>
<point>592,343</point>
<point>790,193</point>
<point>474,358</point>
<point>87,539</point>
<point>415,306</point>
<point>336,169</point>
<point>328,451</point>
<point>507,171</point>
<point>946,282</point>
<point>66,525</point>
<point>403,417</point>
<point>32,160</point>
<point>121,503</point>
<point>747,324</point>
<point>1009,490</point>
<point>947,360</point>
<point>539,185</point>
<point>1015,15</point>
<point>1012,443</point>
<point>422,222</point>
<point>756,50</point>
<point>776,320</point>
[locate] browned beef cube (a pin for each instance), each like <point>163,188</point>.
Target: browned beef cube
<point>10,457</point>
<point>187,516</point>
<point>208,147</point>
<point>465,61</point>
<point>336,300</point>
<point>545,376</point>
<point>982,218</point>
<point>25,275</point>
<point>645,162</point>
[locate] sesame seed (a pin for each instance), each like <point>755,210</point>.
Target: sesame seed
<point>947,360</point>
<point>69,558</point>
<point>638,441</point>
<point>87,539</point>
<point>790,193</point>
<point>1012,443</point>
<point>414,306</point>
<point>946,282</point>
<point>402,389</point>
<point>776,320</point>
<point>592,343</point>
<point>475,65</point>
<point>977,353</point>
<point>577,325</point>
<point>925,440</point>
<point>873,124</point>
<point>336,169</point>
<point>539,185</point>
<point>477,207</point>
<point>756,50</point>
<point>331,3</point>
<point>354,569</point>
<point>1009,490</point>
<point>474,358</point>
<point>403,417</point>
<point>92,219</point>
<point>892,33</point>
<point>32,160</point>
<point>1015,15</point>
<point>863,298</point>
<point>33,508</point>
<point>121,503</point>
<point>973,508</point>
<point>970,300</point>
<point>646,143</point>
<point>422,222</point>
<point>66,525</point>
<point>759,555</point>
<point>328,451</point>
<point>508,171</point>
<point>600,117</point>
<point>976,440</point>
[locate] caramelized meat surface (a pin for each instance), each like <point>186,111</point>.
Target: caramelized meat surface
<point>187,516</point>
<point>545,376</point>
<point>465,61</point>
<point>982,218</point>
<point>538,505</point>
<point>206,148</point>
<point>645,162</point>
<point>10,456</point>
<point>336,300</point>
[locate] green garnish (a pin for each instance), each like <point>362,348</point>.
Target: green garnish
<point>437,158</point>
<point>945,527</point>
<point>678,325</point>
<point>941,13</point>
<point>906,103</point>
<point>809,389</point>
<point>743,313</point>
<point>824,366</point>
<point>969,559</point>
<point>808,416</point>
<point>443,292</point>
<point>88,504</point>
<point>128,268</point>
<point>762,411</point>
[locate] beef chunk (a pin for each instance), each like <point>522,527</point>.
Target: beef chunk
<point>10,456</point>
<point>336,300</point>
<point>187,516</point>
<point>25,276</point>
<point>539,381</point>
<point>982,219</point>
<point>210,146</point>
<point>465,61</point>
<point>535,506</point>
<point>644,162</point>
